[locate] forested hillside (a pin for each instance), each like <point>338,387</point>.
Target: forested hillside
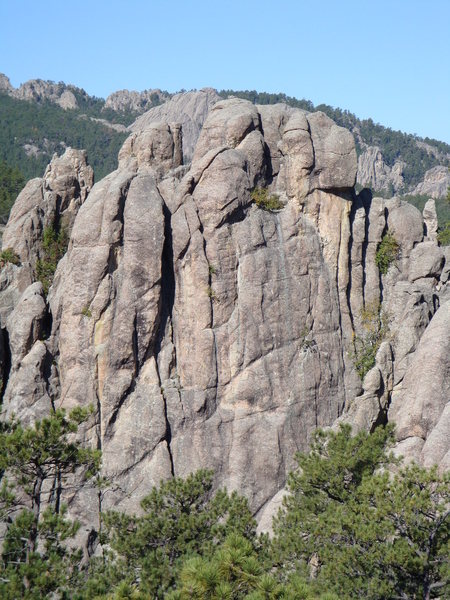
<point>31,132</point>
<point>11,182</point>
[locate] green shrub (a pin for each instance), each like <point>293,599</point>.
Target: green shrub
<point>387,252</point>
<point>262,199</point>
<point>9,256</point>
<point>375,324</point>
<point>86,312</point>
<point>178,520</point>
<point>444,235</point>
<point>54,246</point>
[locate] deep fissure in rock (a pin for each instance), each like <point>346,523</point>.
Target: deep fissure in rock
<point>166,309</point>
<point>5,362</point>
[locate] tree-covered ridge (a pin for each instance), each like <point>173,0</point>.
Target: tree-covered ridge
<point>11,183</point>
<point>30,132</point>
<point>395,145</point>
<point>349,527</point>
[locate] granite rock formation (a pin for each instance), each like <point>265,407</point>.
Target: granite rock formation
<point>136,102</point>
<point>37,90</point>
<point>208,332</point>
<point>188,109</point>
<point>435,183</point>
<point>373,171</point>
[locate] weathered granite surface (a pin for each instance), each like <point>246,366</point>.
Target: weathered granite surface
<point>208,332</point>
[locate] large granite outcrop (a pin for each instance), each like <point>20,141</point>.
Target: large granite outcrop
<point>375,173</point>
<point>188,109</point>
<point>435,183</point>
<point>38,90</point>
<point>135,102</point>
<point>206,331</point>
<point>53,200</point>
<point>28,362</point>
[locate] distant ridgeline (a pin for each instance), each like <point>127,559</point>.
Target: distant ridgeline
<point>32,131</point>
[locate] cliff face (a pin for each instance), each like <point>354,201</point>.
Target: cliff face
<point>376,174</point>
<point>208,332</point>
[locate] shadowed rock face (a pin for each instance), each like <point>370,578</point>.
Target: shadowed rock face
<point>206,331</point>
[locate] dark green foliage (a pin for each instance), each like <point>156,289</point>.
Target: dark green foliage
<point>23,122</point>
<point>266,201</point>
<point>364,532</point>
<point>397,145</point>
<point>35,463</point>
<point>265,98</point>
<point>387,252</point>
<point>181,518</point>
<point>95,107</point>
<point>235,571</point>
<point>444,235</point>
<point>9,256</point>
<point>54,246</point>
<point>11,183</point>
<point>348,528</point>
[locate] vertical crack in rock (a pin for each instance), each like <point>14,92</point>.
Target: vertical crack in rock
<point>165,315</point>
<point>113,250</point>
<point>338,296</point>
<point>135,347</point>
<point>5,361</point>
<point>168,435</point>
<point>366,202</point>
<point>380,277</point>
<point>216,350</point>
<point>284,271</point>
<point>383,415</point>
<point>349,258</point>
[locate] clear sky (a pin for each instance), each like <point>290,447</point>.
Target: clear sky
<point>388,60</point>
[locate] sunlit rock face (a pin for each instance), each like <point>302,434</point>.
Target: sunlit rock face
<point>206,331</point>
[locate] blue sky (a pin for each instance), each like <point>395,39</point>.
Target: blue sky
<point>388,60</point>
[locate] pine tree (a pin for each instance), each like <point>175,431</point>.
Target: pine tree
<point>181,518</point>
<point>358,530</point>
<point>35,462</point>
<point>236,571</point>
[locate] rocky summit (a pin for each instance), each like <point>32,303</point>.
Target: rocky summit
<point>210,330</point>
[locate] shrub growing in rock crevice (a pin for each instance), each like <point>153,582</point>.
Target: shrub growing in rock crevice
<point>444,235</point>
<point>375,330</point>
<point>54,246</point>
<point>266,201</point>
<point>387,252</point>
<point>9,256</point>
